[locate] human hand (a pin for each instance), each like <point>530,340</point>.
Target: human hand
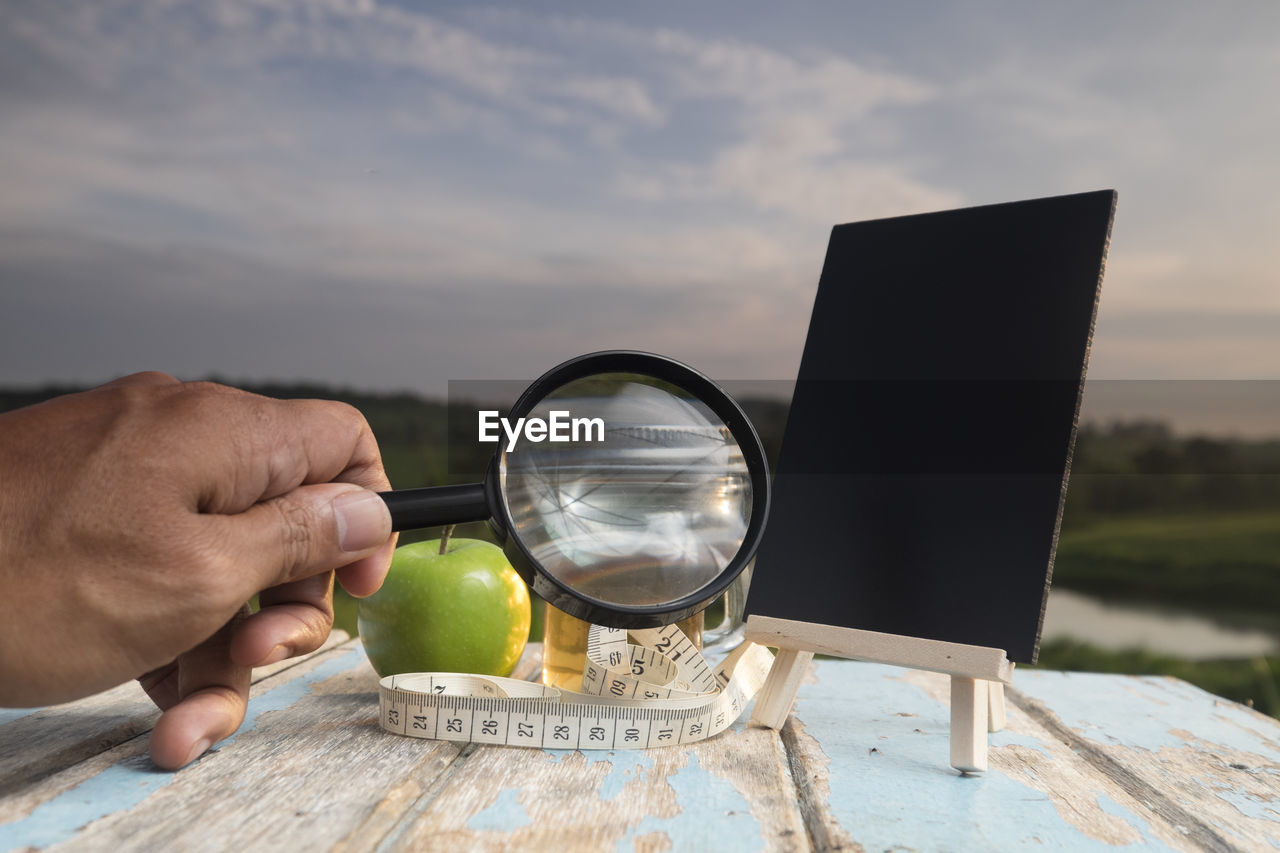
<point>137,519</point>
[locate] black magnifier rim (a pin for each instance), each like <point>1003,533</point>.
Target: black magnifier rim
<point>558,594</point>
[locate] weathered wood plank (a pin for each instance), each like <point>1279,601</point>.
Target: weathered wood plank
<point>1208,766</point>
<point>733,792</point>
<point>869,746</point>
<point>310,768</point>
<point>736,786</point>
<point>49,739</point>
<point>308,764</point>
<point>861,765</point>
<point>38,742</point>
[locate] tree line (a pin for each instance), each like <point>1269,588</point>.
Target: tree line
<point>1117,468</point>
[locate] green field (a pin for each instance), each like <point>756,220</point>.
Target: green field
<point>1224,565</point>
<point>1212,561</point>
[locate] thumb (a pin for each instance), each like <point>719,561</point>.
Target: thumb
<point>306,531</point>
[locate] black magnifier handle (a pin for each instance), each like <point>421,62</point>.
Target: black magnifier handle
<point>436,505</point>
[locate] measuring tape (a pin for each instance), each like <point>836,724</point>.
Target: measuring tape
<point>657,693</point>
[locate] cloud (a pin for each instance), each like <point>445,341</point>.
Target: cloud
<point>87,310</point>
<point>791,127</point>
<point>798,125</point>
<point>593,181</point>
<point>1135,279</point>
<point>832,86</point>
<point>252,173</point>
<point>776,178</point>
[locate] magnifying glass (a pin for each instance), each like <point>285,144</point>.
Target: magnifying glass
<point>644,498</point>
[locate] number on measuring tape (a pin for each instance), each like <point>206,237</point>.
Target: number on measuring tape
<point>657,692</point>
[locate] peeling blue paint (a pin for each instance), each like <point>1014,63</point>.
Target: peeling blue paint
<point>8,715</point>
<point>289,693</point>
<point>1111,716</point>
<point>624,766</point>
<point>893,788</point>
<point>1008,738</point>
<point>1249,805</point>
<point>506,814</point>
<point>123,785</point>
<point>1142,827</point>
<point>713,816</point>
<point>117,788</point>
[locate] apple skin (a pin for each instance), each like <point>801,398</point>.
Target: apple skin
<point>462,611</point>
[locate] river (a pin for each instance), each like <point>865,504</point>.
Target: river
<point>1158,629</point>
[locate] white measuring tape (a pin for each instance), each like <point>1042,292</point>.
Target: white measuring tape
<point>658,693</point>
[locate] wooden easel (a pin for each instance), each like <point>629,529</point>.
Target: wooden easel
<point>978,675</point>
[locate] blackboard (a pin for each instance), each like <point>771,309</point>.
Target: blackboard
<point>920,483</point>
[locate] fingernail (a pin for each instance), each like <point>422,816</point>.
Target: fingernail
<point>363,520</point>
<point>201,747</point>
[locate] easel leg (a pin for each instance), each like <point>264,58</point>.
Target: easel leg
<point>773,703</point>
<point>969,724</point>
<point>995,706</point>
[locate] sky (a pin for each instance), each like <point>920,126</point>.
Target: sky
<point>390,196</point>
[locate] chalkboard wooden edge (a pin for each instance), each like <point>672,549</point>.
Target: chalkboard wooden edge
<point>1113,198</point>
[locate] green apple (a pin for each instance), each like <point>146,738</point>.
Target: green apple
<point>457,609</point>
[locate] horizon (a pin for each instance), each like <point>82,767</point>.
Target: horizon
<point>1244,410</point>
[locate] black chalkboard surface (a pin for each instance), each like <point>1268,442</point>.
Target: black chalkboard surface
<point>920,483</point>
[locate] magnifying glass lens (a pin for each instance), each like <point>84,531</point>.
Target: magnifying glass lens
<point>645,501</point>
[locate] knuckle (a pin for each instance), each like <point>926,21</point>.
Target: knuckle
<point>205,387</point>
<point>151,377</point>
<point>211,402</point>
<point>233,700</point>
<point>348,413</point>
<point>317,619</point>
<point>297,534</point>
<point>313,628</point>
<point>364,465</point>
<point>350,420</point>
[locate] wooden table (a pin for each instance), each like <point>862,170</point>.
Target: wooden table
<point>1086,762</point>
